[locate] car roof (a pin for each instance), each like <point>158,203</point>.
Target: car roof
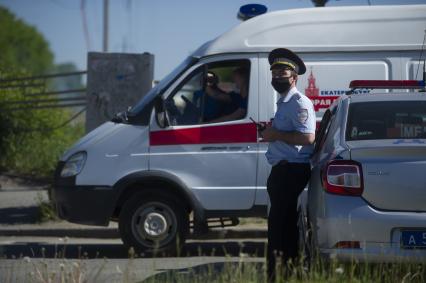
<point>390,96</point>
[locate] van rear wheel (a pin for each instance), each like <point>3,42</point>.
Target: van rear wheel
<point>153,224</point>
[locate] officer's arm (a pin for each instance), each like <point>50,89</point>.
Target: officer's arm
<point>302,117</point>
<point>270,135</point>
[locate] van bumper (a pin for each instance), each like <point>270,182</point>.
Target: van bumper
<point>89,205</point>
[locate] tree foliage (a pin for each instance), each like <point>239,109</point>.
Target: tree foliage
<point>22,46</point>
<point>31,140</point>
<point>68,82</point>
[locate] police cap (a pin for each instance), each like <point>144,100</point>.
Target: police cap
<point>282,57</point>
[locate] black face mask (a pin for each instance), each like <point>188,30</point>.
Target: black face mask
<point>281,85</point>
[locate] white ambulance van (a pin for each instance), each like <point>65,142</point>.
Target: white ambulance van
<point>164,166</point>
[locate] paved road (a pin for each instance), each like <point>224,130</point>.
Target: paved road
<point>19,204</point>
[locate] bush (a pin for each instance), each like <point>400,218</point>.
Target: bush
<point>31,141</point>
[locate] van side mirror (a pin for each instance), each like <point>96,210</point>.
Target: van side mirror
<point>160,113</point>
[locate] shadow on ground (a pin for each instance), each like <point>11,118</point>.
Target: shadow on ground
<point>204,248</point>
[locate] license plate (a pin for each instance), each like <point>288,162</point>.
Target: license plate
<point>413,239</point>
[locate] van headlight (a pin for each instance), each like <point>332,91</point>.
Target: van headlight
<point>74,164</point>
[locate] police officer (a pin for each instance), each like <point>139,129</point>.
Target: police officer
<point>290,138</point>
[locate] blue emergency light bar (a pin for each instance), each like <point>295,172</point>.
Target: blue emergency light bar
<point>251,10</point>
<point>387,84</point>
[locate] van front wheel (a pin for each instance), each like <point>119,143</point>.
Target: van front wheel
<point>153,224</point>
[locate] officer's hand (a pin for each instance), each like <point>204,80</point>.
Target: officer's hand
<point>268,134</point>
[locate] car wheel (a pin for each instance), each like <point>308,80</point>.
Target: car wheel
<point>153,224</point>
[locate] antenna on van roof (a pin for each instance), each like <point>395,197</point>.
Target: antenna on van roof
<point>424,63</point>
<point>424,76</point>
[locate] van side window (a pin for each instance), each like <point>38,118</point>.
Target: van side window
<point>180,107</point>
<point>213,93</point>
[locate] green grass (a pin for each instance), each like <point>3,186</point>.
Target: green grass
<point>239,270</point>
<point>332,272</point>
<point>47,210</point>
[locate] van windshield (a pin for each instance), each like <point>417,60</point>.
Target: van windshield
<point>162,85</point>
<point>387,120</point>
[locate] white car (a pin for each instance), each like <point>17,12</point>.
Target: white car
<point>367,195</point>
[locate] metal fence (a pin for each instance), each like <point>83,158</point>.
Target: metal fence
<point>44,99</point>
<point>37,100</point>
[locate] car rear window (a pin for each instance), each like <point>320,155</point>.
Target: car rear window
<point>386,120</point>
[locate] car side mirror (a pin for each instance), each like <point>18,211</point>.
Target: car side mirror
<point>160,113</point>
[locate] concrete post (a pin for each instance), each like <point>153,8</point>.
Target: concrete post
<point>115,81</point>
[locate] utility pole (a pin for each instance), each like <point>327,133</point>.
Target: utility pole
<point>105,42</point>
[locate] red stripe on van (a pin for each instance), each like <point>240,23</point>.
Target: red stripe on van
<point>240,133</point>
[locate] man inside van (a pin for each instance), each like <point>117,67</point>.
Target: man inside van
<point>212,108</point>
<point>290,138</point>
<point>235,101</point>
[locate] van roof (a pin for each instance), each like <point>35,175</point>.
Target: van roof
<point>326,29</point>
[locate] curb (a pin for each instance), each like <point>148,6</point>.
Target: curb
<point>231,234</point>
<point>112,233</point>
<point>100,233</point>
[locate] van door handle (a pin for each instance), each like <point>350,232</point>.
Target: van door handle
<point>223,148</point>
<point>213,148</point>
<point>239,148</point>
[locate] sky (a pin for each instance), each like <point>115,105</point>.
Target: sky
<point>171,30</point>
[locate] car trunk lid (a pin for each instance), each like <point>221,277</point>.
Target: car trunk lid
<point>394,173</point>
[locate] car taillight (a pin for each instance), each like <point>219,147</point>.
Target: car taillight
<point>347,245</point>
<point>343,177</point>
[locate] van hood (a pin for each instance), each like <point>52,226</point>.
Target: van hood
<point>93,137</point>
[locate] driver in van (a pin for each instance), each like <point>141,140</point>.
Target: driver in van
<point>212,108</point>
<point>290,138</point>
<point>235,101</point>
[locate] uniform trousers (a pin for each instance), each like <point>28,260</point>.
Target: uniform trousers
<point>285,182</point>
